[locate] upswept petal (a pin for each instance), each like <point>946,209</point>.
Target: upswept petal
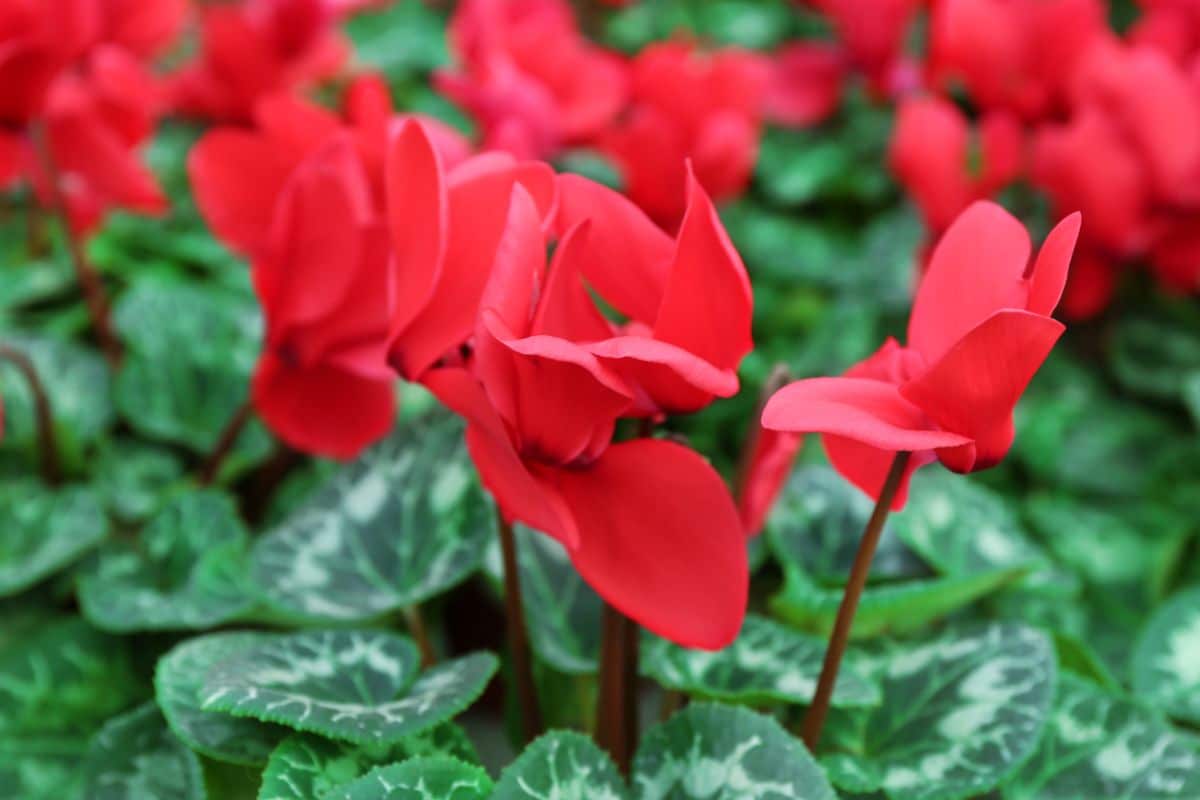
<point>974,387</point>
<point>708,306</point>
<point>660,539</point>
<point>565,308</point>
<point>627,257</point>
<point>869,411</point>
<point>976,269</point>
<point>1053,261</point>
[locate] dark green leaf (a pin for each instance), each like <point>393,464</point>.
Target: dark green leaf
<point>561,764</point>
<point>136,757</point>
<point>426,778</point>
<point>43,530</point>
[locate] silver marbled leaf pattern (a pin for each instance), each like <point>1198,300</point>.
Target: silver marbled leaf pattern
<point>768,663</point>
<point>43,530</point>
<point>1166,659</point>
<point>714,752</point>
<point>425,778</point>
<point>356,686</point>
<point>136,757</point>
<point>561,765</point>
<point>1101,747</point>
<point>405,522</point>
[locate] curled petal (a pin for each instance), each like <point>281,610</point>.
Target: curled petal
<point>1050,270</point>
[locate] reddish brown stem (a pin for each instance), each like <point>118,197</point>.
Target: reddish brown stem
<point>225,443</point>
<point>616,702</point>
<point>814,720</point>
<point>416,626</point>
<point>518,635</point>
<point>94,295</point>
<point>42,412</point>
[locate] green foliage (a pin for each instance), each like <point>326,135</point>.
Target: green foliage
<point>426,778</point>
<point>44,530</point>
<point>561,764</point>
<point>135,756</point>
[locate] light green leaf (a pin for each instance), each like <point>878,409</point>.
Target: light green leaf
<point>426,778</point>
<point>725,753</point>
<point>77,384</point>
<point>399,40</point>
<point>356,686</point>
<point>564,765</point>
<point>768,663</point>
<point>895,607</point>
<point>1166,660</point>
<point>307,767</point>
<point>43,530</point>
<point>405,522</point>
<point>177,683</point>
<point>1102,748</point>
<point>187,570</point>
<point>63,676</point>
<point>960,712</point>
<point>41,767</point>
<point>563,613</point>
<point>962,528</point>
<point>816,524</point>
<point>189,351</point>
<point>136,757</point>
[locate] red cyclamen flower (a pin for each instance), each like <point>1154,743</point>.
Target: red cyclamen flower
<point>980,328</point>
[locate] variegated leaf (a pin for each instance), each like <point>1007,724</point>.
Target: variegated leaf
<point>43,530</point>
<point>563,765</point>
<point>136,757</point>
<point>425,778</point>
<point>1166,660</point>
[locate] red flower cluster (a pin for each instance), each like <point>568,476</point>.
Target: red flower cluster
<point>536,85</point>
<point>1105,125</point>
<point>380,249</point>
<point>980,329</point>
<point>76,100</point>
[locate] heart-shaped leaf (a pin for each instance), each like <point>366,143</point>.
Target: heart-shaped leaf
<point>1103,748</point>
<point>63,676</point>
<point>136,757</point>
<point>405,522</point>
<point>768,663</point>
<point>426,778</point>
<point>189,351</point>
<point>561,764</point>
<point>1166,660</point>
<point>44,530</point>
<point>725,753</point>
<point>77,384</point>
<point>307,767</point>
<point>960,714</point>
<point>177,683</point>
<point>357,686</point>
<point>188,570</point>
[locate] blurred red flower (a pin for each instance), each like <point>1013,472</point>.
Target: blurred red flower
<point>805,85</point>
<point>980,329</point>
<point>872,33</point>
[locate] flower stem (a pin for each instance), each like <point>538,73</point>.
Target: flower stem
<point>43,415</point>
<point>616,702</point>
<point>416,626</point>
<point>814,720</point>
<point>518,635</point>
<point>94,295</point>
<point>225,443</point>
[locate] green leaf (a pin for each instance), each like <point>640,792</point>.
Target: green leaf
<point>1153,356</point>
<point>561,764</point>
<point>1191,395</point>
<point>44,530</point>
<point>796,166</point>
<point>405,522</point>
<point>1102,748</point>
<point>136,757</point>
<point>960,713</point>
<point>1166,659</point>
<point>960,528</point>
<point>725,753</point>
<point>187,570</point>
<point>402,39</point>
<point>78,386</point>
<point>426,778</point>
<point>768,663</point>
<point>816,524</point>
<point>562,612</point>
<point>64,676</point>
<point>189,351</point>
<point>177,683</point>
<point>134,476</point>
<point>356,686</point>
<point>306,767</point>
<point>41,767</point>
<point>895,608</point>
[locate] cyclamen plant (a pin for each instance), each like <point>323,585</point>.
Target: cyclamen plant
<point>399,402</point>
